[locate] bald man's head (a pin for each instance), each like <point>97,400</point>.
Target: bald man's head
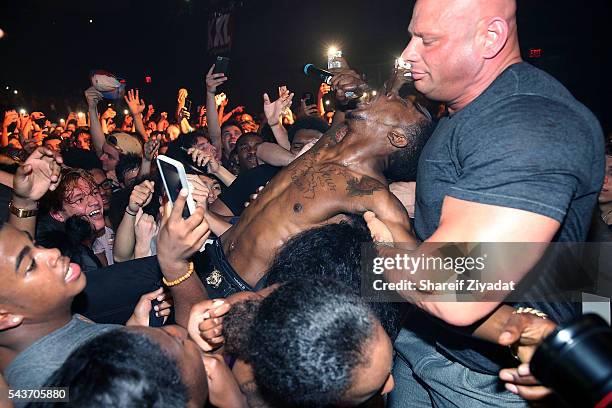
<point>458,47</point>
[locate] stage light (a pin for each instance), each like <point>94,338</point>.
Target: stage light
<point>22,111</point>
<point>90,20</point>
<point>373,93</point>
<point>80,114</point>
<point>8,87</point>
<point>125,112</point>
<point>327,102</point>
<point>148,79</point>
<point>15,92</point>
<point>62,120</point>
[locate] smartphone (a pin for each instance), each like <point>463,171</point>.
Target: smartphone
<point>188,105</point>
<point>308,98</point>
<point>174,177</point>
<point>329,102</point>
<point>222,66</point>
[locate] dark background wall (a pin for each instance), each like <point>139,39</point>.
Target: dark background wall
<point>50,46</point>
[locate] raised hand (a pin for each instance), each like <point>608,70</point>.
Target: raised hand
<point>151,147</point>
<point>135,104</point>
<point>307,110</point>
<point>179,238</point>
<point>93,97</point>
<point>345,80</point>
<point>141,195</point>
<point>214,80</point>
<point>109,113</point>
<point>10,117</point>
<point>145,229</point>
<point>199,191</point>
<point>182,95</point>
<point>40,173</point>
<point>37,115</point>
<point>273,110</point>
<point>204,158</point>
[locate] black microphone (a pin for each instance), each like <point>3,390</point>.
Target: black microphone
<point>317,73</point>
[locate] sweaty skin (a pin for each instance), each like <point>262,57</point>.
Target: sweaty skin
<point>342,173</point>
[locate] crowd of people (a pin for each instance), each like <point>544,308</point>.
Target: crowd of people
<point>253,299</point>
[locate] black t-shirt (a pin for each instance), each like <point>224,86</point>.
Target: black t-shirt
<point>524,143</point>
<point>246,184</point>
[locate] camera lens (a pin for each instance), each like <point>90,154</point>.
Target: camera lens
<point>576,361</point>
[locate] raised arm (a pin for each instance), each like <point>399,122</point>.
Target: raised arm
<point>10,117</point>
<point>177,241</point>
<point>125,239</point>
<point>202,158</point>
<point>212,116</point>
<point>93,97</point>
<point>39,174</point>
<point>136,106</point>
<point>273,112</point>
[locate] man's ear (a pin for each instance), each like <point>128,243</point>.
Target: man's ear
<point>495,37</point>
<point>9,320</point>
<point>57,215</point>
<point>397,138</point>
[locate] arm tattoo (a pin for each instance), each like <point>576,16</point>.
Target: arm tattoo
<point>366,186</point>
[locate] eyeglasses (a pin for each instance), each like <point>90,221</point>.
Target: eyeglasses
<point>106,184</point>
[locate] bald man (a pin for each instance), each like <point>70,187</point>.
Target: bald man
<point>517,159</point>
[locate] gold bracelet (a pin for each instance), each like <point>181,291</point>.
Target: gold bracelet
<point>22,212</point>
<point>530,310</point>
<point>183,278</point>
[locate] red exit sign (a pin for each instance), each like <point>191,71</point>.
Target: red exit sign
<point>535,53</point>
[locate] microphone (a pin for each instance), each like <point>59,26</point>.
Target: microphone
<point>322,75</point>
<point>317,73</point>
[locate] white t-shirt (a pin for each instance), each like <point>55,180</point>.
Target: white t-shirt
<point>104,244</point>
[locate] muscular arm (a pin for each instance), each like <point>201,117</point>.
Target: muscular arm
<point>464,221</point>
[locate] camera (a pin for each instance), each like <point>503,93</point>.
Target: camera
<point>576,361</point>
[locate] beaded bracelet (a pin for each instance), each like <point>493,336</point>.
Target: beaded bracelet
<point>183,278</point>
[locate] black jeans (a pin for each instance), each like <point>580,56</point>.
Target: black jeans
<point>218,276</point>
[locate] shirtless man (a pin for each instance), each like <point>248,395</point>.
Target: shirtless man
<point>342,173</point>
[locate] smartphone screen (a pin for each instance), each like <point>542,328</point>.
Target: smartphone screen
<point>173,182</point>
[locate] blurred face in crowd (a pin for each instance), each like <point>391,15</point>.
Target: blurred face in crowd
<point>214,187</point>
<point>229,136</point>
<point>605,196</point>
<point>83,141</point>
<point>247,151</point>
<point>109,158</point>
<point>111,126</point>
<point>175,341</point>
<point>302,138</point>
<point>83,199</point>
<point>201,143</point>
<point>105,186</point>
<point>234,163</point>
<point>173,131</point>
<point>53,144</point>
<point>71,127</point>
<point>129,177</point>
<point>37,283</point>
<point>442,48</point>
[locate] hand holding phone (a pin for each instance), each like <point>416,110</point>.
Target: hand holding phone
<point>174,177</point>
<point>222,66</point>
